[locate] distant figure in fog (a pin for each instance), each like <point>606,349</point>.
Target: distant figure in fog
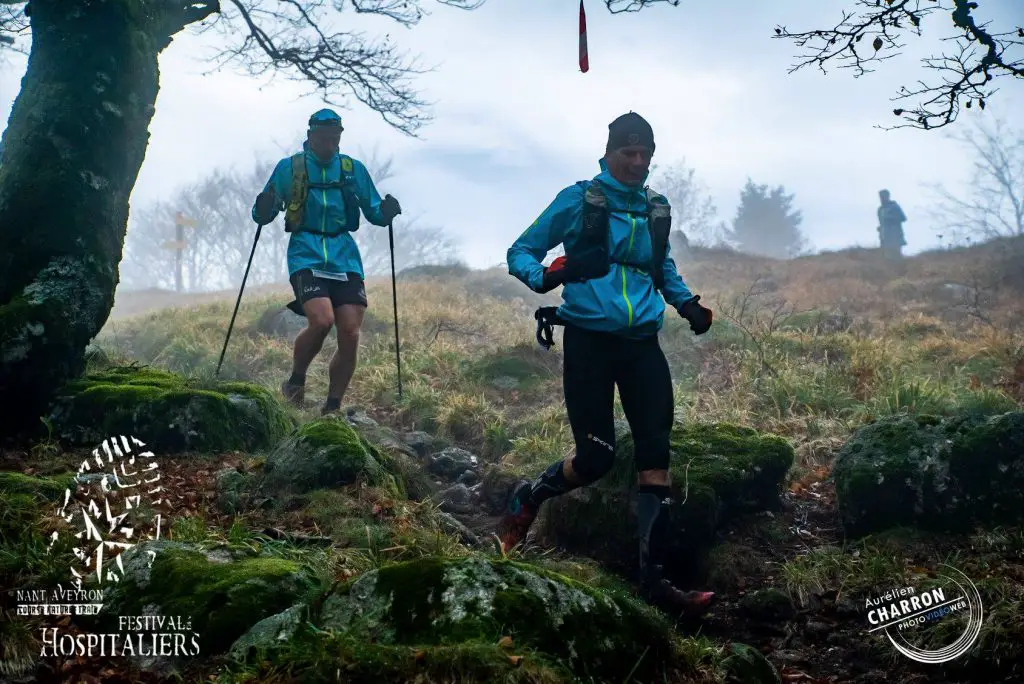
<point>890,226</point>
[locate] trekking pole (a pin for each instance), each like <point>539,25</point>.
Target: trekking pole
<point>259,228</point>
<point>394,300</point>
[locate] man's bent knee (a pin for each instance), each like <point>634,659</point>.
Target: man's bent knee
<point>319,315</point>
<point>349,319</point>
<point>594,458</point>
<point>348,332</point>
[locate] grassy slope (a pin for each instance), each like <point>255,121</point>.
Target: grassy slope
<point>807,348</point>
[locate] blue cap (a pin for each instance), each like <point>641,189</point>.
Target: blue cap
<point>325,117</point>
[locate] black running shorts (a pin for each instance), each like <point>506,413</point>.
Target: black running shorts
<point>307,286</point>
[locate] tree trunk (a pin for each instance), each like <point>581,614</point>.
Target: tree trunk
<point>76,139</point>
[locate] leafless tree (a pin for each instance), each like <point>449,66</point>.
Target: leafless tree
<point>980,55</point>
<point>93,67</point>
<point>991,204</point>
<point>693,209</point>
<point>219,245</point>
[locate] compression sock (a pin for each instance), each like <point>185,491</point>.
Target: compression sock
<point>650,523</point>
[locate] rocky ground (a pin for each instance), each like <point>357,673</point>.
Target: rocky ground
<point>879,448</point>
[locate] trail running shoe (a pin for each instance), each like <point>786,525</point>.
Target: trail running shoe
<point>518,517</point>
<point>296,394</point>
<point>691,603</point>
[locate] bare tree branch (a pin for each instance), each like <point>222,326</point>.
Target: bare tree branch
<point>693,209</point>
<point>966,76</point>
<point>992,204</point>
<point>14,25</point>
<point>620,6</point>
<point>295,38</point>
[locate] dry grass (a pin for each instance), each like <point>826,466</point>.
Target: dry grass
<point>807,348</point>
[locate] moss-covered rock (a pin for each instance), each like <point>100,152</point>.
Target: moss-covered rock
<point>987,464</point>
<point>222,596</point>
<point>49,487</point>
<point>322,454</point>
<point>718,471</point>
<point>497,487</point>
<point>436,606</point>
<point>232,490</point>
<point>746,665</point>
<point>22,499</point>
<point>168,412</point>
<point>400,456</point>
<point>523,365</point>
<point>769,604</point>
<point>935,473</point>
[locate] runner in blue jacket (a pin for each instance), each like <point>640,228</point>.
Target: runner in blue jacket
<point>322,193</point>
<point>617,276</point>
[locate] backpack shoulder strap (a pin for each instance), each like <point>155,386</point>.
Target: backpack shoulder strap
<point>659,225</point>
<point>300,188</point>
<point>347,165</point>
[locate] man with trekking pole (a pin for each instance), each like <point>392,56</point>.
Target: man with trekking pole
<point>322,193</point>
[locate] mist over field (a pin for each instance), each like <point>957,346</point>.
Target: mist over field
<point>199,483</point>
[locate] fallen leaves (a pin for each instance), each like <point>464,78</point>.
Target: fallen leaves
<point>814,476</point>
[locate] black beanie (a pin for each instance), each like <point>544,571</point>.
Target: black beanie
<point>630,129</point>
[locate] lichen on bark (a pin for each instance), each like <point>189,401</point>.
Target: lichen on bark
<point>74,144</point>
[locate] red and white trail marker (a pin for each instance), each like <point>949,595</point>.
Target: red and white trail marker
<point>584,59</point>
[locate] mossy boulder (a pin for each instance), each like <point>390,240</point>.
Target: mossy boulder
<point>222,595</point>
<point>22,498</point>
<point>934,473</point>
<point>719,471</point>
<point>169,412</point>
<point>324,454</point>
<point>232,490</point>
<point>437,606</point>
<point>401,457</point>
<point>768,604</point>
<point>514,368</point>
<point>746,665</point>
<point>50,487</point>
<point>497,486</point>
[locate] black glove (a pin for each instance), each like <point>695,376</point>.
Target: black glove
<point>558,273</point>
<point>699,316</point>
<point>266,202</point>
<point>389,208</point>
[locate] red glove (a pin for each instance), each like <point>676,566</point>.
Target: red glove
<point>554,275</point>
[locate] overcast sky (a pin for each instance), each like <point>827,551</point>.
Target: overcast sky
<point>516,121</point>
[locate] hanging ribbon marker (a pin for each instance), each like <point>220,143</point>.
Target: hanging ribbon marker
<point>584,59</point>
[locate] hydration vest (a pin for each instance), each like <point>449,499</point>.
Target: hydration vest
<point>590,252</point>
<point>300,191</point>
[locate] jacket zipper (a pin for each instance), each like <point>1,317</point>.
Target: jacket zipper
<point>622,268</point>
<point>323,217</point>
